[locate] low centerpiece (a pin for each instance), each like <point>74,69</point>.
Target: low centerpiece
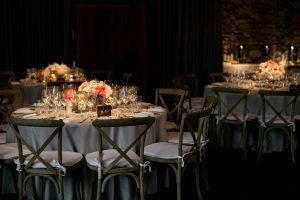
<point>54,72</point>
<point>270,70</point>
<point>98,90</point>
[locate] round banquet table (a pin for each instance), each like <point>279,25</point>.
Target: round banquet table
<point>273,143</point>
<point>79,135</point>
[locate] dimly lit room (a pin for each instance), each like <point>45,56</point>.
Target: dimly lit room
<point>149,99</point>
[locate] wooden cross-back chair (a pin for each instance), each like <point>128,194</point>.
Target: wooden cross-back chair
<point>51,165</point>
<point>276,116</point>
<point>217,76</point>
<point>10,99</point>
<point>178,155</point>
<point>210,103</point>
<point>103,75</point>
<point>233,112</point>
<point>172,100</point>
<point>7,76</point>
<point>119,161</point>
<point>188,82</point>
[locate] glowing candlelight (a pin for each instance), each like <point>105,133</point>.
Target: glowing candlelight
<point>267,49</point>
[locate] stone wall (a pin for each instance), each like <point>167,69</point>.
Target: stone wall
<point>256,23</point>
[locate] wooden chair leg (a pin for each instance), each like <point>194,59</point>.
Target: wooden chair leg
<point>197,176</point>
<point>1,178</point>
<point>245,141</point>
<point>99,185</point>
<point>204,161</point>
<point>61,187</point>
<point>260,145</point>
<point>21,178</point>
<point>178,181</point>
<point>142,192</point>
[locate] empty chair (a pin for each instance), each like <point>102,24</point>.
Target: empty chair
<point>46,164</point>
<point>210,103</point>
<point>9,152</point>
<point>277,114</point>
<point>120,159</point>
<point>178,155</point>
<point>102,75</point>
<point>232,112</point>
<point>172,100</point>
<point>10,99</point>
<point>7,76</point>
<point>127,77</point>
<point>293,68</point>
<point>189,82</point>
<point>217,76</point>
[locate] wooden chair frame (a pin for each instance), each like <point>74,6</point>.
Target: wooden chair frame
<point>180,94</point>
<point>9,100</point>
<point>188,82</point>
<point>179,165</point>
<point>287,120</point>
<point>215,76</point>
<point>9,74</point>
<point>139,141</point>
<point>26,172</point>
<point>226,110</point>
<point>107,73</point>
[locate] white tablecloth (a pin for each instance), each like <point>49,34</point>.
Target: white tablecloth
<point>273,143</point>
<point>81,137</point>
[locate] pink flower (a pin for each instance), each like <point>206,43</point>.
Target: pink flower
<point>69,94</point>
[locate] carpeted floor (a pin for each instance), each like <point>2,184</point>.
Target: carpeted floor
<point>231,177</point>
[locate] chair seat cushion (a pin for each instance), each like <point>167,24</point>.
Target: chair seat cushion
<point>248,117</point>
<point>173,137</point>
<point>109,156</point>
<point>165,150</point>
<point>3,127</point>
<point>196,103</point>
<point>10,151</point>
<point>171,125</point>
<point>278,120</point>
<point>69,158</point>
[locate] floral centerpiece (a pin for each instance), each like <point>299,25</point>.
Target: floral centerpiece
<point>69,94</point>
<point>54,71</point>
<point>270,70</point>
<point>96,88</point>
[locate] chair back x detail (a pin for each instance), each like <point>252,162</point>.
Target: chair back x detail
<point>172,100</point>
<point>118,160</point>
<point>42,163</point>
<point>179,154</point>
<point>233,112</point>
<point>138,141</point>
<point>278,116</point>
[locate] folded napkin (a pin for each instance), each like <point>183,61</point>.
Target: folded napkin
<point>24,110</point>
<point>29,116</point>
<point>156,109</point>
<point>143,114</point>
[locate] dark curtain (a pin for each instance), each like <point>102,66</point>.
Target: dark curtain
<point>185,37</point>
<point>34,33</point>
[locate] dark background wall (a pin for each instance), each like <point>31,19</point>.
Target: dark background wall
<point>257,23</point>
<point>154,39</point>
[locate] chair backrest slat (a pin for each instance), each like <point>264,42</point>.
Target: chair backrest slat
<point>172,100</point>
<point>57,125</point>
<point>9,100</point>
<point>271,111</point>
<point>229,105</point>
<point>139,139</point>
